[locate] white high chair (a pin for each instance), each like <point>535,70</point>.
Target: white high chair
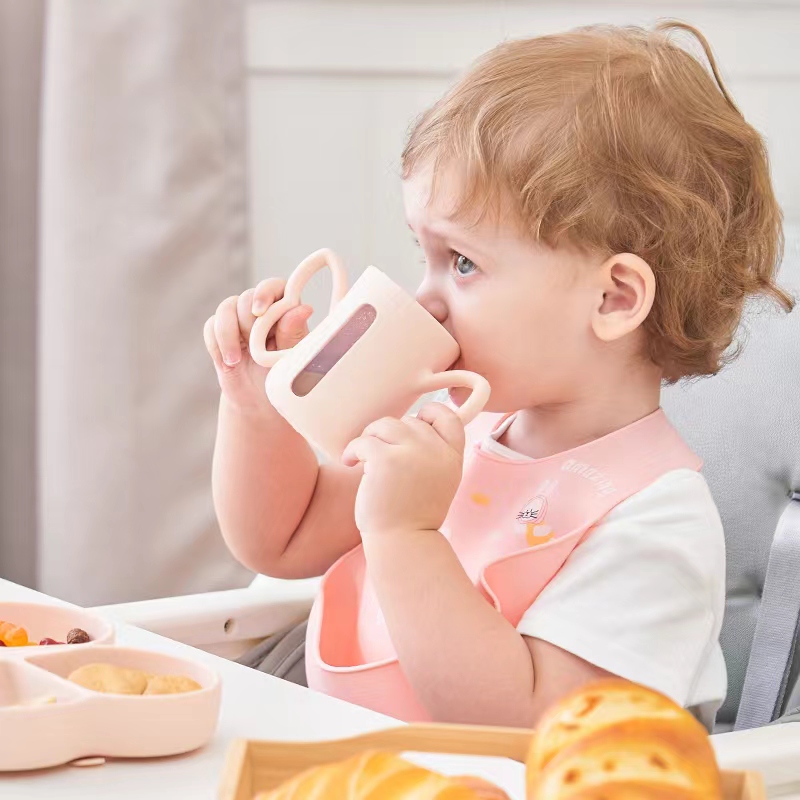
<point>223,623</point>
<point>745,423</point>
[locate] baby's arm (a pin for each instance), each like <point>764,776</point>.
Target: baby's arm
<point>280,513</point>
<point>465,661</point>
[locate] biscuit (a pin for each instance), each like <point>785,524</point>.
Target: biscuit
<point>171,684</point>
<point>110,679</point>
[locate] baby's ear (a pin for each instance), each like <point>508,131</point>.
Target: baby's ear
<point>626,290</point>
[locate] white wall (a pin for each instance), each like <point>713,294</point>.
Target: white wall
<point>334,85</point>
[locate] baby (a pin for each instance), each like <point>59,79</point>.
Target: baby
<point>593,211</point>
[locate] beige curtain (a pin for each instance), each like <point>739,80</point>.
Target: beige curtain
<point>21,26</point>
<point>142,231</point>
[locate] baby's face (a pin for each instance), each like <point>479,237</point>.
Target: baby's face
<point>520,312</point>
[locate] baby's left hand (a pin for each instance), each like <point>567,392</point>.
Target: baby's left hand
<point>412,469</point>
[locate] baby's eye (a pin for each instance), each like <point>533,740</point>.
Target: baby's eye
<point>464,266</point>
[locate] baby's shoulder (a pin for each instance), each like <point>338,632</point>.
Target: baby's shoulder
<point>673,519</point>
<point>679,497</point>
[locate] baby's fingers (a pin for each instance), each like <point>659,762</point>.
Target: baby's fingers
<point>226,331</point>
<point>292,327</point>
<point>266,293</point>
<point>445,422</point>
<point>244,311</point>
<point>211,343</point>
<point>362,450</point>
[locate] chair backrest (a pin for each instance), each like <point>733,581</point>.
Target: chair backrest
<point>745,424</point>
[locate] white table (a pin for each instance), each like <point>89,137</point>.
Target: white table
<point>254,706</point>
<point>258,706</point>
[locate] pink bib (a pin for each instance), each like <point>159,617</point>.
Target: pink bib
<point>512,524</point>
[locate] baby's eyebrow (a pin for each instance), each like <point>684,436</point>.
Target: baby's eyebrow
<point>430,231</point>
<point>460,242</point>
<point>453,238</point>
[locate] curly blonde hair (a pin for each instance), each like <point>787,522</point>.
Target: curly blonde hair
<point>618,140</point>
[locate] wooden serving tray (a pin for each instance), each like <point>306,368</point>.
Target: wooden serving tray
<point>256,766</point>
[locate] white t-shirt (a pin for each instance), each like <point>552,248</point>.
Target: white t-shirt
<point>643,596</point>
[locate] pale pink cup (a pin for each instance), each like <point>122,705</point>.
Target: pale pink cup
<point>373,356</point>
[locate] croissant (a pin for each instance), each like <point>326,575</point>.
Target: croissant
<point>380,776</point>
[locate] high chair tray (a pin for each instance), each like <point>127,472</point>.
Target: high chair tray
<point>254,766</point>
<point>47,720</point>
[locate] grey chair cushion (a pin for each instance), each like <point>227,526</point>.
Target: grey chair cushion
<point>745,424</point>
<point>281,655</point>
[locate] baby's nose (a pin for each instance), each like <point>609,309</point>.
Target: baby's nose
<point>435,306</point>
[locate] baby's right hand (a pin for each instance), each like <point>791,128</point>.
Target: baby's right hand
<point>227,335</point>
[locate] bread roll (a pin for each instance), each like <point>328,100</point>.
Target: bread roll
<point>380,776</point>
<point>599,706</point>
<point>642,759</point>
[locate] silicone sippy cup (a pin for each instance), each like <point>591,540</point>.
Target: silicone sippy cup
<point>373,356</point>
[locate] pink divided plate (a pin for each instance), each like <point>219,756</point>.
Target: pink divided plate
<point>53,622</point>
<point>46,720</point>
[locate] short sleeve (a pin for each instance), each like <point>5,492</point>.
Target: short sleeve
<point>643,596</point>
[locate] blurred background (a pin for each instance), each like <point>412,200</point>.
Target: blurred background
<point>157,156</point>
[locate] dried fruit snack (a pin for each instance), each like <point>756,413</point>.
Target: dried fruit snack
<point>78,636</point>
<point>12,635</point>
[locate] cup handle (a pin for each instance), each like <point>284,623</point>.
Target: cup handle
<point>291,298</point>
<point>461,378</point>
